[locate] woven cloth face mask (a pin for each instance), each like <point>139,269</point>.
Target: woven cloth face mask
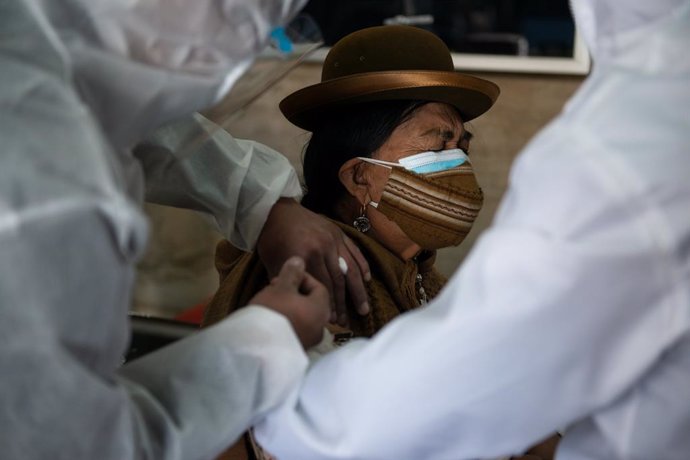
<point>434,197</point>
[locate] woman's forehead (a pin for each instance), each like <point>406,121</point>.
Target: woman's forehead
<point>428,128</point>
<point>434,118</point>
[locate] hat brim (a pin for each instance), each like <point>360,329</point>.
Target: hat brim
<point>472,96</point>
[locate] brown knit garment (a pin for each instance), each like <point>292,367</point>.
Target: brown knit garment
<point>392,291</point>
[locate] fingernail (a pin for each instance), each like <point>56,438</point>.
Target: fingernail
<point>367,277</point>
<point>295,262</point>
<point>364,308</point>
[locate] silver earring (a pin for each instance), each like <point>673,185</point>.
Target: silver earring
<point>362,223</point>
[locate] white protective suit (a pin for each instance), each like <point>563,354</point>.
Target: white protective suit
<point>80,82</point>
<point>573,310</point>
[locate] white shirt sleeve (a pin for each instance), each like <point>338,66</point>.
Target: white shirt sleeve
<point>563,304</point>
<point>234,181</point>
<point>202,392</point>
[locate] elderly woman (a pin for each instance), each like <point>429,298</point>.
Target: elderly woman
<point>387,161</point>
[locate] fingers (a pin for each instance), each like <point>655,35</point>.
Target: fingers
<point>321,244</point>
<point>338,283</point>
<point>317,293</point>
<point>317,268</point>
<point>351,280</point>
<point>354,284</point>
<point>291,274</point>
<point>359,258</point>
<point>300,298</point>
<point>356,273</point>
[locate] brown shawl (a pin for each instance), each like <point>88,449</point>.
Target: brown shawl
<point>392,290</point>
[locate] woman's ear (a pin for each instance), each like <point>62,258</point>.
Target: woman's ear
<point>351,175</point>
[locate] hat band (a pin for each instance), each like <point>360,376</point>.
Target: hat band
<point>360,85</point>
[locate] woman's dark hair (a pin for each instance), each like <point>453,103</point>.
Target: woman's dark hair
<point>355,131</point>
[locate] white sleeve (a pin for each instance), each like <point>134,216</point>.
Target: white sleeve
<point>64,289</point>
<point>234,181</point>
<point>204,391</point>
<point>66,270</point>
<point>69,241</point>
<point>565,302</point>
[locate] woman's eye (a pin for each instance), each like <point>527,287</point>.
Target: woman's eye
<point>464,142</point>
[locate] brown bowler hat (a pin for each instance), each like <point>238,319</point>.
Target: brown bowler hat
<point>389,63</point>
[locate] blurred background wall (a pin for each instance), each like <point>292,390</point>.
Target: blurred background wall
<point>177,271</point>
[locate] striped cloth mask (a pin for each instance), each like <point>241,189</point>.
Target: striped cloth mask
<point>434,197</point>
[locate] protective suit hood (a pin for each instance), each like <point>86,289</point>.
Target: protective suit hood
<point>617,31</point>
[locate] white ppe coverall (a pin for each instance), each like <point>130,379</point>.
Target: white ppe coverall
<point>571,313</point>
<point>81,81</point>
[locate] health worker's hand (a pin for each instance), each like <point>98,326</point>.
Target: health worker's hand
<point>300,298</point>
<point>331,257</point>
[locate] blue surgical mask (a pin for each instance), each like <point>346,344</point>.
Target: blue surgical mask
<point>426,162</point>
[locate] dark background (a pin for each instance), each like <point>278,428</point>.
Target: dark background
<point>500,27</point>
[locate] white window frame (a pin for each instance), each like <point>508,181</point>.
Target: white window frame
<point>578,64</point>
